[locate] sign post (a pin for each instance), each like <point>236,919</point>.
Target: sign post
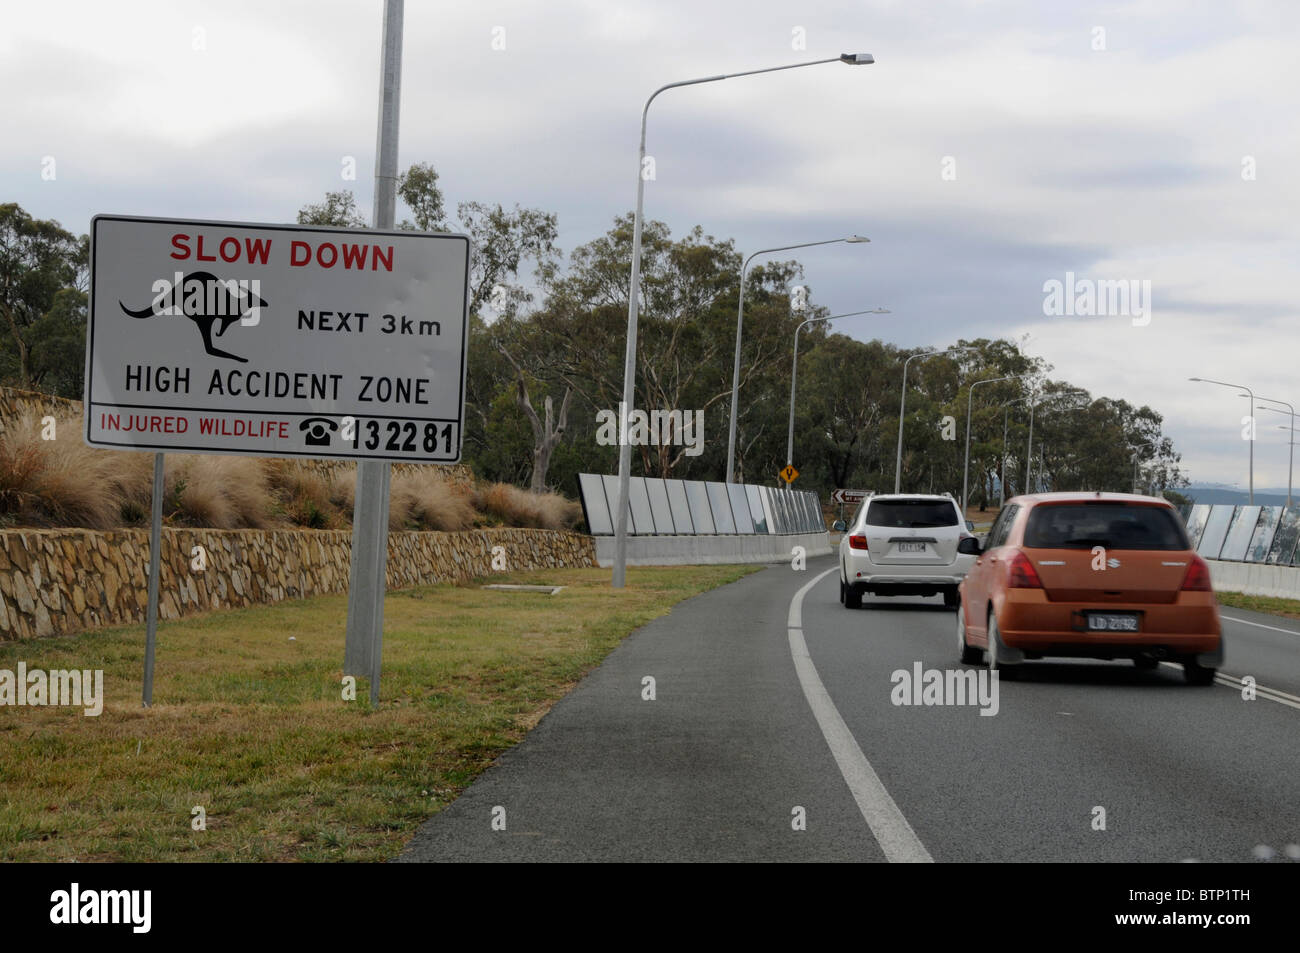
<point>155,567</point>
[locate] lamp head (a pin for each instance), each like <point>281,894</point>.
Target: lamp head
<point>857,59</point>
<point>856,239</point>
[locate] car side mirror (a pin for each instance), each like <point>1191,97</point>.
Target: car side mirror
<point>970,526</point>
<point>969,546</point>
<point>839,526</point>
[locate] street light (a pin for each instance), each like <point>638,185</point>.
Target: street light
<point>1029,449</point>
<point>789,444</point>
<point>1002,473</point>
<point>740,321</point>
<point>970,393</point>
<point>1290,465</point>
<point>634,290</point>
<point>902,404</point>
<point>1251,394</point>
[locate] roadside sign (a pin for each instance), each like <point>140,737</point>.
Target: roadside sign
<point>788,473</point>
<point>276,340</point>
<point>848,496</point>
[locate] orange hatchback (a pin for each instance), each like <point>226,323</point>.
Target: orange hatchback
<point>1090,575</point>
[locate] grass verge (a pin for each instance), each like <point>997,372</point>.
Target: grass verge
<point>1287,608</point>
<point>249,724</point>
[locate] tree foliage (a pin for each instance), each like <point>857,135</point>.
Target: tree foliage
<point>42,303</point>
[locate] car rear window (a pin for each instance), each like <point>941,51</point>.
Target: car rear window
<point>911,514</point>
<point>1112,525</point>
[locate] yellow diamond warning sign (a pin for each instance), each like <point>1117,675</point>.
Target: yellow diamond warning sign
<point>789,473</point>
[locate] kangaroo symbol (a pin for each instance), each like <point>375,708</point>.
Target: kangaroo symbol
<point>206,300</point>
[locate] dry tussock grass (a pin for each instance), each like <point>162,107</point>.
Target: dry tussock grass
<point>62,482</point>
<point>424,500</point>
<point>516,507</point>
<point>217,492</point>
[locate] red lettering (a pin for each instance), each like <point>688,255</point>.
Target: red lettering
<point>284,430</point>
<point>387,259</point>
<point>233,256</point>
<point>296,247</point>
<point>354,256</point>
<point>199,256</point>
<point>320,254</point>
<point>180,243</point>
<point>258,248</point>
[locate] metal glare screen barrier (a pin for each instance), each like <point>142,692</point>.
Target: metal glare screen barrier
<point>658,507</point>
<point>1249,534</point>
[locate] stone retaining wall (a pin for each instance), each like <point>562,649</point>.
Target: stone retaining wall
<point>54,582</point>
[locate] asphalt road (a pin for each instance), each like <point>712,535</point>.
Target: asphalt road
<point>761,709</point>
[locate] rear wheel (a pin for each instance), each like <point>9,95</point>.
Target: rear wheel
<point>852,597</point>
<point>1008,672</point>
<point>951,598</point>
<point>1198,674</point>
<point>970,655</point>
<point>1145,662</point>
<point>841,592</point>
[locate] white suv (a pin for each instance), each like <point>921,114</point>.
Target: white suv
<point>905,544</point>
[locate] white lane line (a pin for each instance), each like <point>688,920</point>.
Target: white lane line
<point>888,825</point>
<point>1261,691</point>
<point>1258,625</point>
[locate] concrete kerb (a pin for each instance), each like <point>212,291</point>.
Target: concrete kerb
<point>1256,579</point>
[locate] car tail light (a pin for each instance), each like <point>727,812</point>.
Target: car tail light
<point>1198,576</point>
<point>1023,575</point>
<point>857,542</point>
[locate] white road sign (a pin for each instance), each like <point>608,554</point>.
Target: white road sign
<point>848,496</point>
<point>276,340</point>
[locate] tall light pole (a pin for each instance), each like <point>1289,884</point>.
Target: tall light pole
<point>1002,479</point>
<point>1292,429</point>
<point>1029,450</point>
<point>1251,394</point>
<point>902,405</point>
<point>634,293</point>
<point>794,368</point>
<point>740,322</point>
<point>970,393</point>
<point>1290,465</point>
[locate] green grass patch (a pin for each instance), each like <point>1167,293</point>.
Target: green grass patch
<point>1288,608</point>
<point>249,723</point>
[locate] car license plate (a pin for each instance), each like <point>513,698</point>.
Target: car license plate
<point>1112,622</point>
<point>911,547</point>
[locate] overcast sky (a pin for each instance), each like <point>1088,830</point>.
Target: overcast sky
<point>993,147</point>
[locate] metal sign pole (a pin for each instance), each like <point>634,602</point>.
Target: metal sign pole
<point>155,561</point>
<point>363,649</point>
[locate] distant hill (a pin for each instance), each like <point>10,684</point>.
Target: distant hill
<point>1220,494</point>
